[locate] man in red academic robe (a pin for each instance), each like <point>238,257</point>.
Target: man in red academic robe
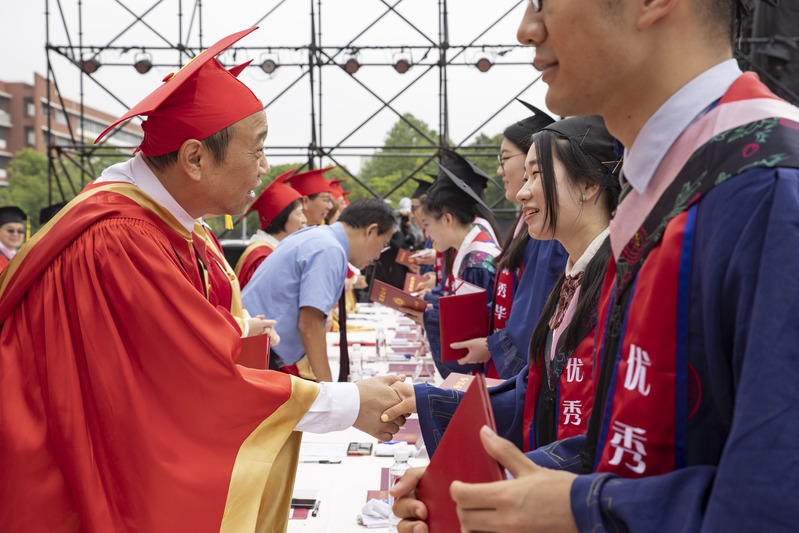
<point>121,408</point>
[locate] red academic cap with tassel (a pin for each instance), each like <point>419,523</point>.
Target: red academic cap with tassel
<point>201,99</point>
<point>311,182</point>
<point>273,199</point>
<point>335,187</point>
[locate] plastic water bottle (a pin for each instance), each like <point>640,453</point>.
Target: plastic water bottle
<point>356,363</point>
<point>380,345</point>
<point>395,472</point>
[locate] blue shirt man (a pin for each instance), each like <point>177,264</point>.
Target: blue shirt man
<point>301,281</point>
<point>307,269</point>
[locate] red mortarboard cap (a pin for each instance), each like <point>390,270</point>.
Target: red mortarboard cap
<point>311,182</point>
<point>273,199</point>
<point>335,187</point>
<point>200,100</point>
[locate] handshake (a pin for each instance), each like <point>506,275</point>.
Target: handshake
<point>386,401</point>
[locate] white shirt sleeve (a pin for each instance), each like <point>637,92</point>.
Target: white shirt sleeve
<point>335,408</point>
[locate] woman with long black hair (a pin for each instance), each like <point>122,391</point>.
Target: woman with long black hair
<point>569,195</point>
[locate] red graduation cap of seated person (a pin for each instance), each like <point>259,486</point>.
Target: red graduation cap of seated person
<point>335,187</point>
<point>311,182</point>
<point>273,199</point>
<point>344,195</point>
<point>201,99</point>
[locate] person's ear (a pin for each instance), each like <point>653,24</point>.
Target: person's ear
<point>650,11</point>
<point>371,229</point>
<point>191,157</point>
<point>588,194</point>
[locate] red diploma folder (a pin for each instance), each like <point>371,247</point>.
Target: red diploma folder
<point>463,316</point>
<point>461,382</point>
<point>460,456</point>
<point>404,258</point>
<point>391,296</point>
<point>254,352</point>
<point>412,281</point>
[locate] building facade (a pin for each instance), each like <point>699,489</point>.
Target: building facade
<point>24,113</point>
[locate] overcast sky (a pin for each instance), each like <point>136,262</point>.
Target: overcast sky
<point>473,96</point>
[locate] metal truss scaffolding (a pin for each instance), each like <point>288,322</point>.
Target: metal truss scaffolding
<point>333,74</point>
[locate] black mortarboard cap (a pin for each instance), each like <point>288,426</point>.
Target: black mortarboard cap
<point>421,187</point>
<point>593,137</point>
<point>12,213</point>
<point>459,176</point>
<point>539,119</point>
<point>46,213</point>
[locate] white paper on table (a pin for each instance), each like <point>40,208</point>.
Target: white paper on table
<point>387,449</point>
<point>324,449</point>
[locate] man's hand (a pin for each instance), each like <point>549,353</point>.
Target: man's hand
<point>536,500</point>
<point>360,282</point>
<point>258,325</point>
<point>424,257</point>
<point>412,511</point>
<point>376,397</point>
<point>406,406</point>
<point>478,351</point>
<point>416,316</point>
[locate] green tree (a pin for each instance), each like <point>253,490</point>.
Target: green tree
<point>28,182</point>
<point>27,189</point>
<point>384,171</point>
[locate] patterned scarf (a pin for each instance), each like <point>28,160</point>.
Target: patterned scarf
<point>567,291</point>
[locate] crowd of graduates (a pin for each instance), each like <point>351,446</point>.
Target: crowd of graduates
<point>641,311</point>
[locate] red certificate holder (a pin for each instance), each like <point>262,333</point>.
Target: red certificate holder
<point>462,316</point>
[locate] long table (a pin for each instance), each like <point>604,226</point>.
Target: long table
<point>342,488</point>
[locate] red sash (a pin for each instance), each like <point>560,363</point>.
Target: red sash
<point>438,266</point>
<point>573,397</point>
<point>503,298</point>
<point>636,443</point>
<point>642,392</point>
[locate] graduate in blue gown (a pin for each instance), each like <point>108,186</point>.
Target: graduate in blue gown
<point>552,397</point>
<point>455,215</point>
<point>527,268</point>
<point>696,415</point>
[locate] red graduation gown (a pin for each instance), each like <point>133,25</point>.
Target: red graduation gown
<point>120,407</point>
<point>249,261</point>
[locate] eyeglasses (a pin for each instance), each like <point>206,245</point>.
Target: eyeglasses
<point>537,5</point>
<point>503,159</point>
<point>12,230</point>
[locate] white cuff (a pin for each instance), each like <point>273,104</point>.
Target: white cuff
<point>335,408</point>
